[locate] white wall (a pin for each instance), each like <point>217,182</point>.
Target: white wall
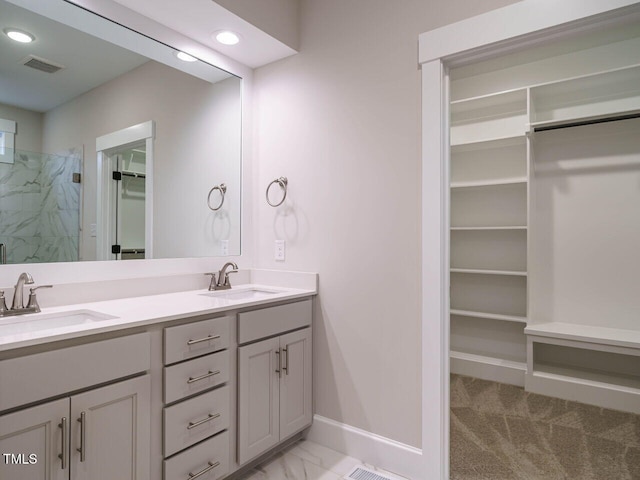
<point>28,127</point>
<point>278,18</point>
<point>197,145</point>
<point>342,121</point>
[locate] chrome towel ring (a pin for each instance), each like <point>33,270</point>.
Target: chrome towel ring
<point>282,181</point>
<point>223,189</point>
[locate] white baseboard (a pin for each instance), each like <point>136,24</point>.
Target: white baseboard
<point>488,368</point>
<point>373,449</point>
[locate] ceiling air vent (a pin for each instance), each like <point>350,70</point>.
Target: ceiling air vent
<point>42,64</point>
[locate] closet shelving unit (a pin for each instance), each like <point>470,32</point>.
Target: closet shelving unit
<point>493,334</point>
<point>489,228</point>
<point>568,359</point>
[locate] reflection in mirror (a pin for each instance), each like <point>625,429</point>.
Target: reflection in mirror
<point>67,89</point>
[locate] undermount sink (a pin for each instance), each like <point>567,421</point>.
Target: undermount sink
<point>245,294</point>
<point>49,321</point>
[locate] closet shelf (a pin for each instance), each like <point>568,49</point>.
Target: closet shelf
<point>489,183</point>
<point>508,227</point>
<point>517,95</point>
<point>590,334</point>
<point>490,142</point>
<point>491,316</point>
<point>512,273</point>
<point>518,134</point>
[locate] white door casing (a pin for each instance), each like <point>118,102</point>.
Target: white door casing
<point>104,218</point>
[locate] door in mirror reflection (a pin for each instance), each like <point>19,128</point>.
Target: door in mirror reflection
<point>129,178</point>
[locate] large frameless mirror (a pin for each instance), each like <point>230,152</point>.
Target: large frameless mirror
<point>112,153</point>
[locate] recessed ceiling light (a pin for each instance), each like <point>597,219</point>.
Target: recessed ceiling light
<point>227,37</point>
<point>185,57</point>
<point>19,35</point>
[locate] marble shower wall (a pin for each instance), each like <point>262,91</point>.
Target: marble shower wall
<point>40,207</point>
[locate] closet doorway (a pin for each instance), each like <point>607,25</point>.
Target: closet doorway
<point>125,193</point>
<point>544,232</point>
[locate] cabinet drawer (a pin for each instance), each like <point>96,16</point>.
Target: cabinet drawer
<point>195,339</point>
<point>273,320</point>
<point>193,376</point>
<point>195,419</point>
<point>213,454</point>
<point>43,375</point>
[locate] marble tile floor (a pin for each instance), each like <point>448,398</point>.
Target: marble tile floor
<point>305,460</point>
<point>501,432</point>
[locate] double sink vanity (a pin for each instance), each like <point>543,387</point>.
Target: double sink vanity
<point>191,384</point>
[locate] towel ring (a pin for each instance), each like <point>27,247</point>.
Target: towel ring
<point>282,181</point>
<point>223,189</point>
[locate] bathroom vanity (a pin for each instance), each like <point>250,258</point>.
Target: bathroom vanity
<point>194,384</point>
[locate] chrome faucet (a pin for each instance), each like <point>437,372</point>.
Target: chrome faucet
<point>25,278</point>
<point>17,306</point>
<point>222,282</point>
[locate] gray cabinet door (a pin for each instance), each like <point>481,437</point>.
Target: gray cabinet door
<point>295,384</point>
<point>258,398</point>
<point>110,432</point>
<point>32,439</point>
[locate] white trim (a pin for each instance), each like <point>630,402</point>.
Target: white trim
<point>526,18</point>
<point>7,147</point>
<point>104,215</point>
<point>148,205</point>
<point>526,23</point>
<point>103,193</point>
<point>488,368</point>
<point>135,133</point>
<point>8,126</point>
<point>368,447</point>
<point>435,272</point>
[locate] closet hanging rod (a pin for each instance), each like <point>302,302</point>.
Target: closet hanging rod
<point>133,174</point>
<point>132,250</point>
<point>617,118</point>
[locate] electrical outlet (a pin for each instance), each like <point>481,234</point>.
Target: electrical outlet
<point>93,230</point>
<point>225,248</point>
<point>279,252</point>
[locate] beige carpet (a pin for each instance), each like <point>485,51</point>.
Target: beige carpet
<point>501,432</point>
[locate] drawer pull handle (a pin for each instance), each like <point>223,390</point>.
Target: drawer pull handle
<point>202,377</point>
<point>202,472</point>
<point>210,417</point>
<point>205,339</point>
<point>65,443</point>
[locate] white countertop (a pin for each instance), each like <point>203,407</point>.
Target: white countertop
<point>135,312</point>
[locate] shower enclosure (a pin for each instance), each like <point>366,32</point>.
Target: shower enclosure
<point>40,198</point>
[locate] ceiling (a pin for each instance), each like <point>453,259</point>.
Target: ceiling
<point>198,19</point>
<point>88,61</point>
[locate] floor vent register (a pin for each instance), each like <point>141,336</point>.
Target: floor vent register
<point>363,473</point>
